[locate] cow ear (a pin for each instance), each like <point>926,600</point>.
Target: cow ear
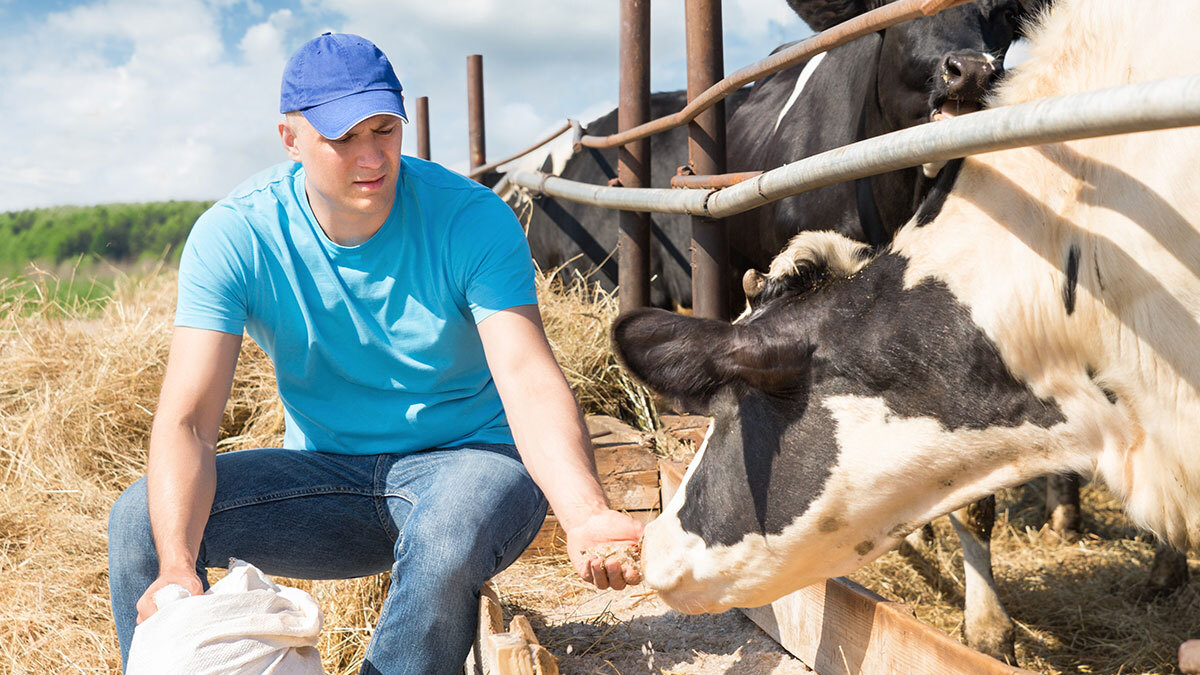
<point>690,359</point>
<point>672,354</point>
<point>825,14</point>
<point>768,362</point>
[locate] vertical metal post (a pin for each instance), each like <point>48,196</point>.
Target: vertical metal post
<point>423,127</point>
<point>706,155</point>
<point>475,110</point>
<point>633,159</point>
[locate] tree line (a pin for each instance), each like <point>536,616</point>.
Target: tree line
<point>116,232</point>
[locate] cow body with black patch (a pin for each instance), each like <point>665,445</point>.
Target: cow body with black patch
<point>1042,319</point>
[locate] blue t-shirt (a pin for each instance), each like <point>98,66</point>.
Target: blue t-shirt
<point>375,346</point>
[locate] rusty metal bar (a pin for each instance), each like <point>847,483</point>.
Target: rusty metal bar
<point>869,22</point>
<point>423,127</point>
<point>478,149</point>
<point>706,155</point>
<point>720,180</point>
<point>544,140</point>
<point>633,159</point>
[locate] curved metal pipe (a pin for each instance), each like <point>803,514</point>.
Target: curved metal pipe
<point>476,173</point>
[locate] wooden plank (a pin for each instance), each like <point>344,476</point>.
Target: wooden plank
<point>605,430</point>
<point>629,474</point>
<point>516,652</point>
<point>839,627</point>
<point>491,622</point>
<point>686,428</point>
<point>670,475</point>
<point>508,654</point>
<point>520,624</point>
<point>544,662</point>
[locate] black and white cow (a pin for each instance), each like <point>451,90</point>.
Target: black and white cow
<point>1038,315</point>
<point>882,82</point>
<point>906,75</point>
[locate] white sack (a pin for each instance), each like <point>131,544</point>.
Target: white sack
<point>244,625</point>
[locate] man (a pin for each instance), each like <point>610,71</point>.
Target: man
<point>396,301</point>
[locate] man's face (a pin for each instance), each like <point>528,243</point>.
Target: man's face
<point>352,176</point>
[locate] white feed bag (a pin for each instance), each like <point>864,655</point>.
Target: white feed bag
<point>244,625</point>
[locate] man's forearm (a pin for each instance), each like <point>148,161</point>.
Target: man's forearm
<point>181,481</point>
<point>554,444</point>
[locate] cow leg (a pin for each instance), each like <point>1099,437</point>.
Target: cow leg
<point>1168,572</point>
<point>986,625</point>
<point>1062,506</point>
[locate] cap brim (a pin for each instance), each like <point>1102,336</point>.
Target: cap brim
<point>333,119</point>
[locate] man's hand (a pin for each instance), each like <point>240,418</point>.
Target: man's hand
<point>184,577</point>
<point>612,531</point>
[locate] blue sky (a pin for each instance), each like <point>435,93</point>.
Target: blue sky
<point>142,100</point>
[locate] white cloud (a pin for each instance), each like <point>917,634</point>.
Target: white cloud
<point>266,42</point>
<point>138,100</point>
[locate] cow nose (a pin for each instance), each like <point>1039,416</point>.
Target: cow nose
<point>968,75</point>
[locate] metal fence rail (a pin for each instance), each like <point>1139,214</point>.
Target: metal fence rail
<point>1162,104</point>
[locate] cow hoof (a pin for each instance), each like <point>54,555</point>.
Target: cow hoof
<point>1168,573</point>
<point>1059,532</point>
<point>998,644</point>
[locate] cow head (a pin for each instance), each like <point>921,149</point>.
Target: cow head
<point>944,64</point>
<point>848,411</point>
<point>933,66</point>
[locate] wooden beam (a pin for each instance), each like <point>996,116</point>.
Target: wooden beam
<point>840,627</point>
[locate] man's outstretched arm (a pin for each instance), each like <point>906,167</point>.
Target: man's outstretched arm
<point>553,441</point>
<point>181,477</point>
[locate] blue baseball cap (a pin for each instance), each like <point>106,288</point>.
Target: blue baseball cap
<point>337,80</point>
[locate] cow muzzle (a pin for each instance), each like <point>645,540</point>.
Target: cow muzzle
<point>670,558</point>
<point>966,77</point>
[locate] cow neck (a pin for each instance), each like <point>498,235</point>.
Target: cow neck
<point>864,195</point>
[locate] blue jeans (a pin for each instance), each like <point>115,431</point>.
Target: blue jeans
<point>443,521</point>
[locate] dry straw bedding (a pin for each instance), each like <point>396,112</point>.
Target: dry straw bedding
<point>78,387</point>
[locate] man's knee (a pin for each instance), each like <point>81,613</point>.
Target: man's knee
<point>129,522</point>
<point>471,540</point>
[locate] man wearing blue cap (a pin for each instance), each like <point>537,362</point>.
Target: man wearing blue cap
<point>396,300</point>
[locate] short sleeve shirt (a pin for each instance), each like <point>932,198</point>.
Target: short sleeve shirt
<point>375,346</point>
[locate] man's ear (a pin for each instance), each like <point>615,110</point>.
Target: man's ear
<point>287,134</point>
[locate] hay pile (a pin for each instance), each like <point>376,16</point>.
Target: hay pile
<point>78,386</point>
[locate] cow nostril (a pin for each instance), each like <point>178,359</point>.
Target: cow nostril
<point>953,68</point>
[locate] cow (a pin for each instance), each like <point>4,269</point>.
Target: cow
<point>1037,315</point>
<point>882,82</point>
